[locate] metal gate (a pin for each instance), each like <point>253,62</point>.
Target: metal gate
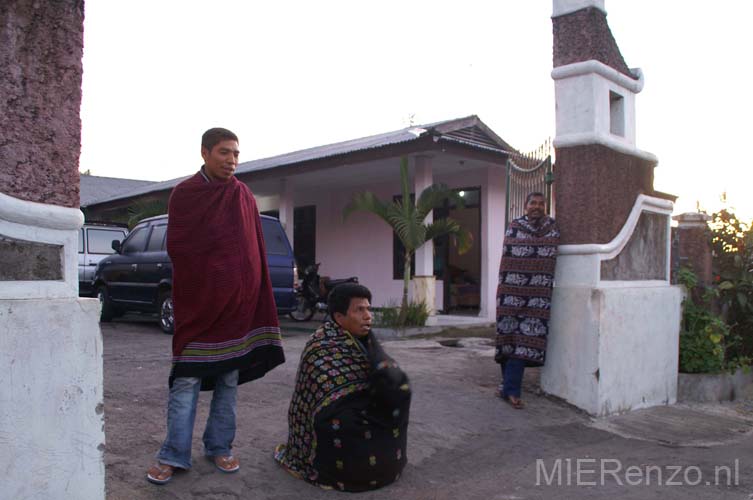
<point>527,174</point>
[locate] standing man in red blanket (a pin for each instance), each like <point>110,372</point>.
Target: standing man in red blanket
<point>226,329</point>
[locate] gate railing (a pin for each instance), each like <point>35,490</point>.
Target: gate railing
<point>528,173</point>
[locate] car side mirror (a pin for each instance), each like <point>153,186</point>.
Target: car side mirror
<point>115,245</point>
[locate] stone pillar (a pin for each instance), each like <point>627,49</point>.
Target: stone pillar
<point>424,283</point>
<point>694,244</point>
<point>613,342</point>
<point>51,401</point>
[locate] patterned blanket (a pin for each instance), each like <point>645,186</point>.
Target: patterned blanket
<point>526,276</point>
<point>348,418</point>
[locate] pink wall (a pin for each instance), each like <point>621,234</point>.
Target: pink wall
<point>362,245</point>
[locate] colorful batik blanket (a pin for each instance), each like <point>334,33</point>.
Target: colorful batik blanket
<point>526,277</point>
<point>348,417</point>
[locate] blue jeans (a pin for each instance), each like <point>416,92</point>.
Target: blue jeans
<point>181,413</point>
<point>512,377</point>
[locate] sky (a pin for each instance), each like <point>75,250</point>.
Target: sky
<point>288,75</point>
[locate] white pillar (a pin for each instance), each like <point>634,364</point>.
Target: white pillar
<point>287,208</point>
<point>424,284</point>
<point>492,235</point>
<point>423,179</point>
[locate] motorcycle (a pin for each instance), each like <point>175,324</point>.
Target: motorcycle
<point>311,295</point>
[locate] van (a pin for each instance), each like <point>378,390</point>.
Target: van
<point>94,244</point>
<point>138,277</point>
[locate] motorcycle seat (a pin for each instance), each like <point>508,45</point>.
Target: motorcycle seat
<point>333,283</point>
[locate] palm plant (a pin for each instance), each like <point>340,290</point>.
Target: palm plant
<point>406,218</point>
<point>143,209</point>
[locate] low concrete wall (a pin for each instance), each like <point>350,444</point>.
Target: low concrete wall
<point>613,349</point>
<point>51,400</point>
<point>714,387</point>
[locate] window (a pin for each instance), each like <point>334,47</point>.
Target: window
<point>100,240</point>
<point>136,241</point>
<point>157,239</point>
<point>274,238</point>
<point>616,114</point>
<point>81,240</point>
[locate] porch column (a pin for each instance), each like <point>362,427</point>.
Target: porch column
<point>492,235</point>
<point>287,208</point>
<point>424,286</point>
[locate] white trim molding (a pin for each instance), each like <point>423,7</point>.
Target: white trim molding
<point>607,251</point>
<point>47,224</point>
<point>580,265</point>
<point>593,66</point>
<point>30,213</point>
<point>589,138</point>
<point>562,7</point>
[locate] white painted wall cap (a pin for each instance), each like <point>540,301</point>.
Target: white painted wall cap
<point>588,138</point>
<point>29,213</point>
<point>562,7</point>
<point>593,66</point>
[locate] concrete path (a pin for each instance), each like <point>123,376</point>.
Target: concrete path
<point>464,443</point>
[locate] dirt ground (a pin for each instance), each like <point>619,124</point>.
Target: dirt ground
<point>464,443</point>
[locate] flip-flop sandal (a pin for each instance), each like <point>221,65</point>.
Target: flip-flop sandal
<point>516,403</point>
<point>160,473</point>
<point>227,464</point>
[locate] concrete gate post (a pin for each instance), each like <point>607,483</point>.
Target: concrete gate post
<point>613,343</point>
<point>51,401</point>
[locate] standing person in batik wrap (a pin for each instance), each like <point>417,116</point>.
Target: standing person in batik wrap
<point>226,329</point>
<point>526,276</point>
<point>348,418</point>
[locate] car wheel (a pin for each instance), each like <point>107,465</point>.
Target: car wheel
<point>166,313</point>
<point>108,310</point>
<point>303,311</point>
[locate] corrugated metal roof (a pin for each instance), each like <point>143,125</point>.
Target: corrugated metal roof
<point>95,188</point>
<point>468,130</point>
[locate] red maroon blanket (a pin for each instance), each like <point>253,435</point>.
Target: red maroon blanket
<point>225,314</point>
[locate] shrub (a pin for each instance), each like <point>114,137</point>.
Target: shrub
<point>732,247</point>
<point>703,332</point>
<point>389,317</point>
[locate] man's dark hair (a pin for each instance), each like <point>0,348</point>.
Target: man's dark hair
<point>533,195</point>
<point>214,136</point>
<point>339,297</point>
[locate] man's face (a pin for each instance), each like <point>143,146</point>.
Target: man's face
<point>358,319</point>
<point>536,207</point>
<point>220,163</point>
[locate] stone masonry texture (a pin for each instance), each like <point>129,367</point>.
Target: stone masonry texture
<point>695,251</point>
<point>584,35</point>
<point>41,45</point>
<point>595,188</point>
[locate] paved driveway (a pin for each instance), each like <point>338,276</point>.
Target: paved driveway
<point>463,442</point>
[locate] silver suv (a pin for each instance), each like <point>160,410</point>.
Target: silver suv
<point>94,244</point>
